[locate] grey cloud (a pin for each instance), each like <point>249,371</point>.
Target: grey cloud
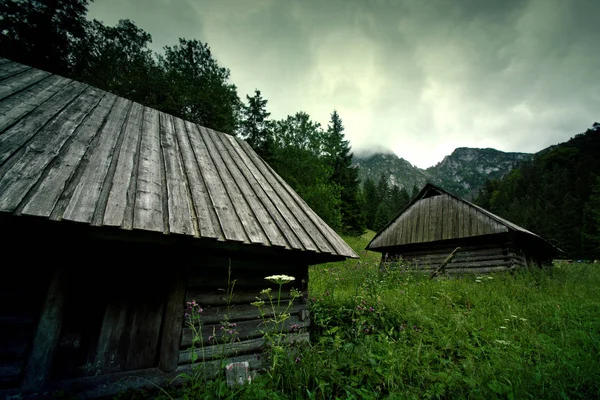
<point>419,77</point>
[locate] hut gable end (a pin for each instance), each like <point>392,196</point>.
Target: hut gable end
<point>434,218</point>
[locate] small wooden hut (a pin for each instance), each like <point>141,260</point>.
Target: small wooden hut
<point>436,222</point>
<point>114,215</point>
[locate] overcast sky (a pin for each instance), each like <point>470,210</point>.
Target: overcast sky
<point>420,77</point>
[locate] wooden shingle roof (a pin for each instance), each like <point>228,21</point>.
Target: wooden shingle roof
<point>435,214</point>
<point>69,151</point>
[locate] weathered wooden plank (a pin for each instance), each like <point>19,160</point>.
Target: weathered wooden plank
<point>242,312</point>
<point>148,210</point>
<point>12,68</point>
<point>39,363</point>
<point>217,296</point>
<point>83,201</point>
<point>145,332</point>
<point>207,220</point>
<point>172,326</point>
<point>42,202</point>
<point>19,82</point>
<point>252,193</point>
<point>10,372</point>
<point>420,217</point>
<point>426,220</point>
<point>460,223</point>
<point>114,337</point>
<point>20,104</point>
<point>322,235</point>
<point>182,217</point>
<point>239,202</point>
<point>433,218</point>
<point>228,219</point>
<point>28,165</point>
<point>270,200</point>
<point>263,175</point>
<point>121,199</point>
<point>407,227</point>
<point>18,135</point>
<point>248,329</point>
<point>452,203</point>
<point>228,349</point>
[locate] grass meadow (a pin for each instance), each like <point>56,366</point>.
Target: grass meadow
<point>398,335</point>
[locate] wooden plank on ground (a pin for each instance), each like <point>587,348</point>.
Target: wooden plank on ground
<point>28,165</point>
<point>121,199</point>
<point>44,199</point>
<point>148,210</point>
<point>83,201</point>
<point>182,216</point>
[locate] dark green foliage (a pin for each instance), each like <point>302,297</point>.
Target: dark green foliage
<point>255,127</point>
<point>338,156</point>
<point>298,160</point>
<point>41,33</point>
<point>382,202</point>
<point>197,88</point>
<point>117,59</point>
<point>553,195</point>
<point>592,219</point>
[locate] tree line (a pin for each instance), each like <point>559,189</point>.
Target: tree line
<point>556,195</point>
<point>188,82</point>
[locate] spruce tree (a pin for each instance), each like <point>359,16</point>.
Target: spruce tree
<point>338,156</point>
<point>255,126</point>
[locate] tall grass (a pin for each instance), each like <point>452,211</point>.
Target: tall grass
<point>397,334</point>
<point>534,334</point>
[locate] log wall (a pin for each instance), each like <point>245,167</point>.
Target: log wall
<point>209,289</point>
<point>471,258</point>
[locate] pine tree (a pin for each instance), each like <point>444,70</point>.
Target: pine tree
<point>339,157</point>
<point>255,127</point>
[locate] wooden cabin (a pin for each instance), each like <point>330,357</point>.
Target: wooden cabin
<point>436,222</point>
<point>113,216</point>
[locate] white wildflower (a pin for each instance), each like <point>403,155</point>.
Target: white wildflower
<point>280,279</point>
<point>478,280</point>
<point>489,277</point>
<point>502,327</point>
